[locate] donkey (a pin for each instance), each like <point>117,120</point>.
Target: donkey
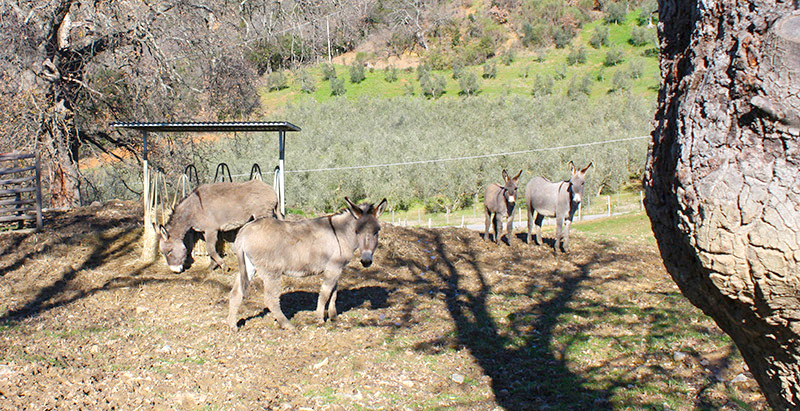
<point>559,200</point>
<point>270,248</point>
<point>211,208</point>
<point>500,200</point>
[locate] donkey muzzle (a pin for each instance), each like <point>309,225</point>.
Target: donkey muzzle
<point>366,258</point>
<point>576,198</point>
<point>177,269</point>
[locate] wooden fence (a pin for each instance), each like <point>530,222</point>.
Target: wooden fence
<point>20,189</point>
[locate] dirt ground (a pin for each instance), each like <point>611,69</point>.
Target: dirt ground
<point>441,320</point>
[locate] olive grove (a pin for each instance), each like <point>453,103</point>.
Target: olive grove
<point>722,179</point>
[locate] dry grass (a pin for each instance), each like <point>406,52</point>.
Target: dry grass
<point>442,320</point>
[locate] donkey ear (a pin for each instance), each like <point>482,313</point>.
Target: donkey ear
<point>572,167</point>
<point>163,232</point>
<point>516,177</point>
<point>587,167</point>
<point>379,210</point>
<point>353,208</point>
<point>505,175</point>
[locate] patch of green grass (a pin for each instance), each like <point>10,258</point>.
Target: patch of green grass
<point>630,227</point>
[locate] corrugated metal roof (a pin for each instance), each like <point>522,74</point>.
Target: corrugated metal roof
<point>211,126</point>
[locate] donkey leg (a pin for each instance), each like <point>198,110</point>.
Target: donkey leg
<point>497,223</point>
<point>272,298</point>
<point>559,224</point>
<point>211,247</point>
<point>236,296</point>
<point>332,313</point>
<point>510,227</point>
<point>488,220</point>
<point>530,222</point>
<point>539,221</point>
<point>565,241</point>
<point>330,279</point>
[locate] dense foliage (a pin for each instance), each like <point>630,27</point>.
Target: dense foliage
<point>342,133</point>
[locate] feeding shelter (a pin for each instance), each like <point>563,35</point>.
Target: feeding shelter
<point>281,127</point>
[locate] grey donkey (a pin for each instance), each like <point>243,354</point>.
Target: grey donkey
<point>269,248</point>
<point>212,208</point>
<point>559,200</point>
<point>500,200</point>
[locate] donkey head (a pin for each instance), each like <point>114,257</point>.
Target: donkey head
<point>173,249</point>
<point>510,186</point>
<point>576,182</point>
<point>367,227</point>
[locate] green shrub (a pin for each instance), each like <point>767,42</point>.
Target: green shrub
<point>390,74</point>
<point>508,57</point>
<point>615,12</point>
<point>621,81</point>
<point>639,36</point>
<point>422,71</point>
<point>277,81</point>
<point>562,36</point>
<point>540,56</point>
<point>337,86</point>
<point>458,70</point>
<point>614,56</point>
<point>432,85</point>
<point>437,60</point>
<point>408,89</point>
<point>469,84</point>
<point>357,72</point>
<point>576,56</point>
<point>599,37</point>
<point>561,72</point>
<point>328,71</point>
<point>490,70</point>
<point>306,81</point>
<point>648,13</point>
<point>579,87</point>
<point>543,85</point>
<point>636,68</point>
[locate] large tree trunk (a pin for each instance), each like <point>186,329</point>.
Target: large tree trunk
<point>723,175</point>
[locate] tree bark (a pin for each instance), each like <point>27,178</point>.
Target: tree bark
<point>722,178</point>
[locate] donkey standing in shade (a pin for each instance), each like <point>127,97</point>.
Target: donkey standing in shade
<point>269,248</point>
<point>500,201</point>
<point>211,208</point>
<point>559,200</point>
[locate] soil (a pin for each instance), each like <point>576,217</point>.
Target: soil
<point>441,320</point>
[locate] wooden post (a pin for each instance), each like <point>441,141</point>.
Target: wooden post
<point>429,222</point>
<point>38,193</point>
<point>462,221</point>
<point>149,236</point>
<point>608,199</point>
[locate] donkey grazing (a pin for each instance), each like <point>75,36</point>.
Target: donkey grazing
<point>559,200</point>
<point>270,248</point>
<point>500,200</point>
<point>211,208</point>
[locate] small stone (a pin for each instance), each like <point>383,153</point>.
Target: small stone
<point>679,356</point>
<point>704,362</point>
<point>457,378</point>
<point>321,364</point>
<point>165,348</point>
<point>739,378</point>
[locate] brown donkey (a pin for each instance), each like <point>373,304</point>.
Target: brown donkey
<point>500,201</point>
<point>269,248</point>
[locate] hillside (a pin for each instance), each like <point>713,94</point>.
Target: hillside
<point>601,58</point>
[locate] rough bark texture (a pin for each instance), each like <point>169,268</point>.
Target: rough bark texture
<point>722,177</point>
